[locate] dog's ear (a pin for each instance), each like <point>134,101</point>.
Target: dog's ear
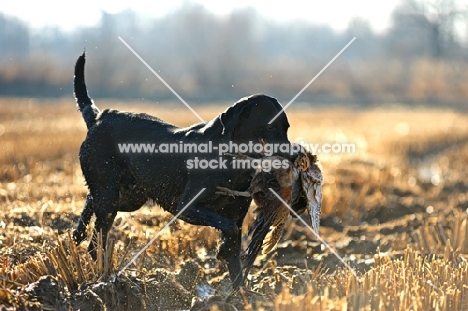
<point>231,116</point>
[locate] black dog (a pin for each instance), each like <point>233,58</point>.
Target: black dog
<point>125,181</point>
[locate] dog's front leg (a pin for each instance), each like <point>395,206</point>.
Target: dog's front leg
<point>197,214</point>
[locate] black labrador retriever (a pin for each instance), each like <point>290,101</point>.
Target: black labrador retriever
<point>124,181</point>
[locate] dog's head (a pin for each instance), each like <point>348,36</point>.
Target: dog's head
<point>247,120</point>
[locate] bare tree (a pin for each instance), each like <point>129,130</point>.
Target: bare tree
<point>429,25</point>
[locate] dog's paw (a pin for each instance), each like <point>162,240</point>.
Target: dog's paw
<point>79,235</point>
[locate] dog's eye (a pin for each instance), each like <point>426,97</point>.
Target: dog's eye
<point>270,127</point>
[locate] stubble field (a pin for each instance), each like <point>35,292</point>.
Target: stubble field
<point>395,211</point>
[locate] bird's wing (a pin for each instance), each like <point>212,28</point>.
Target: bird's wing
<point>312,182</point>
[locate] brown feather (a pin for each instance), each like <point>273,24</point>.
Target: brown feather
<point>271,213</point>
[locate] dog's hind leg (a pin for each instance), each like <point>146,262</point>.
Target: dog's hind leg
<point>79,234</point>
<point>105,209</point>
<point>103,224</point>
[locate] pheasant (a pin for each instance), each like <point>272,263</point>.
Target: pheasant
<point>301,178</point>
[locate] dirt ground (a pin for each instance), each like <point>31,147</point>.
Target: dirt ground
<point>395,211</point>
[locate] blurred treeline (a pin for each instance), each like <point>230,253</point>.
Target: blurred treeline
<point>421,58</point>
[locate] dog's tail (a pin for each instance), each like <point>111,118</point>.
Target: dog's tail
<point>85,104</point>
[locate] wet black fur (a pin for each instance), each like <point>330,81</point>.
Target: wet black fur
<point>125,181</point>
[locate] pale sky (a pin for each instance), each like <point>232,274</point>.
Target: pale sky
<point>70,14</point>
